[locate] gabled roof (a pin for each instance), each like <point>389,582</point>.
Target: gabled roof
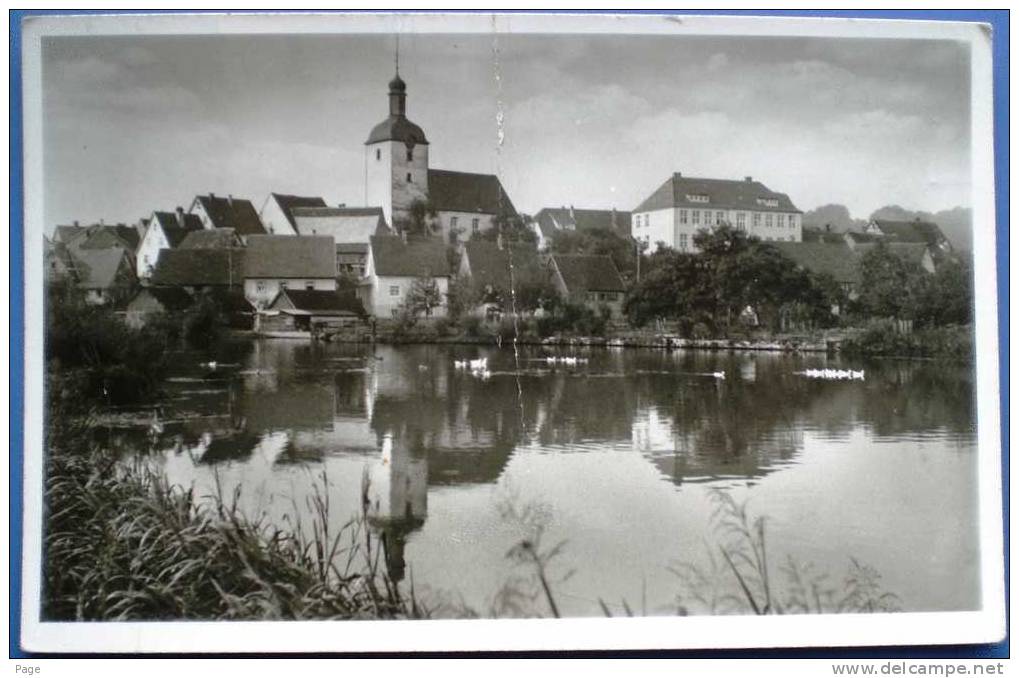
<point>210,238</point>
<point>199,268</point>
<point>173,229</point>
<point>490,265</point>
<point>290,256</point>
<point>586,272</point>
<point>344,224</point>
<point>287,203</point>
<point>318,302</point>
<point>394,257</point>
<point>836,259</point>
<point>552,218</point>
<point>911,231</point>
<point>468,192</point>
<point>68,234</point>
<point>678,190</point>
<point>230,212</point>
<point>105,236</point>
<point>99,269</point>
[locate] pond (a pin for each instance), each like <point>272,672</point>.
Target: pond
<point>616,456</point>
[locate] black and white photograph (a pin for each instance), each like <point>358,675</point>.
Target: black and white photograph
<point>683,328</point>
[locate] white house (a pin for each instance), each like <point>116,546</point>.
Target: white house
<point>276,262</point>
<point>277,213</point>
<point>165,231</point>
<point>395,266</point>
<point>397,174</point>
<point>682,206</point>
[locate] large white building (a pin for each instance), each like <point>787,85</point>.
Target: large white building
<point>682,206</point>
<point>397,174</point>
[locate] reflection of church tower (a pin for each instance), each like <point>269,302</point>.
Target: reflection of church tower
<point>398,500</point>
<point>396,159</point>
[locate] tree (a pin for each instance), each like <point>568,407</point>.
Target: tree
<point>510,229</point>
<point>421,219</point>
<point>946,297</point>
<point>599,241</point>
<point>423,296</point>
<point>889,284</point>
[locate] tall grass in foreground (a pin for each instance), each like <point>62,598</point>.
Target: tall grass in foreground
<point>741,580</point>
<point>121,543</point>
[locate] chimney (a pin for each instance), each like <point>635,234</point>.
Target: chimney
<point>76,223</point>
<point>180,216</point>
<point>230,200</point>
<point>212,196</point>
<point>572,215</point>
<point>748,179</point>
<point>615,221</point>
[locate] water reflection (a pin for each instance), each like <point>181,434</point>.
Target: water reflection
<point>432,441</point>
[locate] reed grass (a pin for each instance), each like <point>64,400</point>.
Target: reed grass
<point>121,543</point>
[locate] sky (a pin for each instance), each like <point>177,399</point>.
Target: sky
<point>138,123</point>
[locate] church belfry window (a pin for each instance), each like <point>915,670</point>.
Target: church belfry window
<point>409,178</point>
<point>410,155</point>
<point>378,154</point>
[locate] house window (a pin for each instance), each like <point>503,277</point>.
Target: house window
<point>697,198</point>
<point>309,285</point>
<point>682,241</point>
<point>792,221</point>
<point>475,224</point>
<point>378,154</point>
<point>695,216</point>
<point>260,286</point>
<point>719,217</point>
<point>410,155</point>
<point>394,290</point>
<point>757,219</point>
<point>741,221</point>
<point>453,221</point>
<point>781,220</point>
<point>682,216</point>
<point>283,284</point>
<point>409,178</point>
<point>767,220</point>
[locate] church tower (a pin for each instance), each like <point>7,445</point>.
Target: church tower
<point>396,159</point>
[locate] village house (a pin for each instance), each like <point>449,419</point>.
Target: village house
<point>592,280</point>
<point>494,270</point>
<point>228,212</point>
<point>277,212</point>
<point>98,237</point>
<point>350,227</point>
<point>297,310</point>
<point>105,276</point>
<point>837,260</point>
<point>682,206</point>
<point>277,262</point>
<point>165,230</point>
<point>57,263</point>
<point>156,301</point>
<point>915,231</point>
<point>397,176</point>
<point>395,266</point>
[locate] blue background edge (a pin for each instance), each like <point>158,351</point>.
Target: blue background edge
<point>998,19</point>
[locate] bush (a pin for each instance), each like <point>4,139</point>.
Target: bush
<point>471,326</point>
<point>882,338</point>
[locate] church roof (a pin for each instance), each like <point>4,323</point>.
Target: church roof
<point>694,192</point>
<point>397,128</point>
<point>585,272</point>
<point>468,192</point>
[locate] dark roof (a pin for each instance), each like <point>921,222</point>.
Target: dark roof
<point>393,256</point>
<point>814,234</point>
<point>911,231</point>
<point>912,252</point>
<point>210,238</point>
<point>857,237</point>
<point>320,302</point>
<point>397,128</point>
<point>68,234</point>
<point>351,248</point>
<point>170,298</point>
<point>468,192</point>
<point>290,256</point>
<point>103,236</point>
<point>550,218</point>
<point>98,269</point>
<point>288,203</point>
<point>199,267</point>
<point>583,272</point>
<point>490,265</point>
<point>724,193</point>
<point>344,224</point>
<point>835,259</point>
<point>235,213</point>
<point>174,230</point>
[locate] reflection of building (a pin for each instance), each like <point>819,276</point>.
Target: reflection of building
<point>397,497</point>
